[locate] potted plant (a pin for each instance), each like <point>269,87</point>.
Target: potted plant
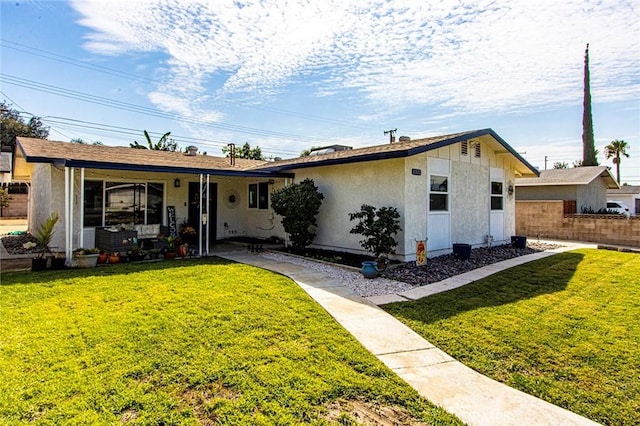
<point>103,257</point>
<point>172,246</point>
<point>188,233</point>
<point>114,257</point>
<point>44,235</point>
<point>378,227</point>
<point>86,257</point>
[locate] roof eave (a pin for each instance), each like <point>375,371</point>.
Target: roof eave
<point>99,165</point>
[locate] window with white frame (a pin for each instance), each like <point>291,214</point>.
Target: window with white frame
<point>497,195</point>
<point>259,195</point>
<point>111,203</point>
<point>438,193</point>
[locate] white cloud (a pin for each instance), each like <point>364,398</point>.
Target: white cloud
<point>464,56</point>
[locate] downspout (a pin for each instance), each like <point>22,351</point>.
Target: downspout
<point>208,217</point>
<point>200,217</point>
<point>490,194</point>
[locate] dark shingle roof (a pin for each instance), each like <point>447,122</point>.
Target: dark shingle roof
<point>625,189</point>
<point>125,158</point>
<point>397,150</point>
<point>574,176</point>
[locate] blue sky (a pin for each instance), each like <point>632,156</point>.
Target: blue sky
<point>288,75</point>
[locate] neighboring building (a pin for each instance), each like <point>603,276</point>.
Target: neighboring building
<point>628,194</point>
<point>450,189</point>
<point>583,188</point>
<point>5,164</point>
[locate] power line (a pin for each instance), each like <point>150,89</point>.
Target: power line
<point>98,100</point>
<point>129,76</point>
<point>71,123</point>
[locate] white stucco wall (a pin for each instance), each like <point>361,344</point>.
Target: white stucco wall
<point>392,183</point>
<point>345,188</point>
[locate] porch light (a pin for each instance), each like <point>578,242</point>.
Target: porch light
<point>510,189</point>
<point>176,183</point>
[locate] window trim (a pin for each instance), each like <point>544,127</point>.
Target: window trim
<point>260,199</point>
<point>494,195</point>
<point>446,193</point>
<point>144,183</point>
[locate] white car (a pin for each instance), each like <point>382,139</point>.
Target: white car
<point>618,207</point>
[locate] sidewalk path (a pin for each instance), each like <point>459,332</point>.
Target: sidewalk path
<point>474,398</point>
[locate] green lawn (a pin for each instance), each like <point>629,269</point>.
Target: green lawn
<point>184,342</point>
<point>565,329</point>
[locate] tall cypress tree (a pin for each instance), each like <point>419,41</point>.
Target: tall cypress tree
<point>588,145</point>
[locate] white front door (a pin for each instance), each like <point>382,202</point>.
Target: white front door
<point>496,215</point>
<point>439,214</point>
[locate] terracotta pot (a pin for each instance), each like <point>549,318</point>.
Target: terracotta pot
<point>114,258</point>
<point>170,255</point>
<point>102,258</point>
<point>183,250</point>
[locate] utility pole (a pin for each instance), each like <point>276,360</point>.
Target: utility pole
<point>391,134</point>
<point>545,162</point>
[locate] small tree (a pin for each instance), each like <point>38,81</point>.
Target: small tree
<point>561,165</point>
<point>379,228</point>
<point>298,204</point>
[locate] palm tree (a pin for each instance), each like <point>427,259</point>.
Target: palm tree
<point>615,149</point>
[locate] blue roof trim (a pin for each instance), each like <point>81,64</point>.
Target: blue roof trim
<point>156,169</point>
<point>406,153</point>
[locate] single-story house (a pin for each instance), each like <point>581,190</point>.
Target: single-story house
<point>583,188</point>
<point>457,188</point>
<point>628,194</point>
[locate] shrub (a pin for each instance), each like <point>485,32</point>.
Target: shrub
<point>298,204</point>
<point>379,228</point>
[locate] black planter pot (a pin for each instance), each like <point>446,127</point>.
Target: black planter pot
<point>38,264</point>
<point>462,251</point>
<point>58,262</point>
<point>519,241</point>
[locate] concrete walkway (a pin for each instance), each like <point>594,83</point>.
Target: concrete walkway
<point>474,398</point>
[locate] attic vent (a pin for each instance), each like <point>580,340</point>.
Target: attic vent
<point>477,154</point>
<point>404,139</point>
<point>464,148</point>
<point>192,150</point>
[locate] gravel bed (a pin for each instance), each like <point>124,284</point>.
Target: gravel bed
<point>442,267</point>
<point>352,279</point>
<point>408,275</point>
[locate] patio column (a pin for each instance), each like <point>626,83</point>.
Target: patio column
<point>81,226</point>
<point>68,214</point>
